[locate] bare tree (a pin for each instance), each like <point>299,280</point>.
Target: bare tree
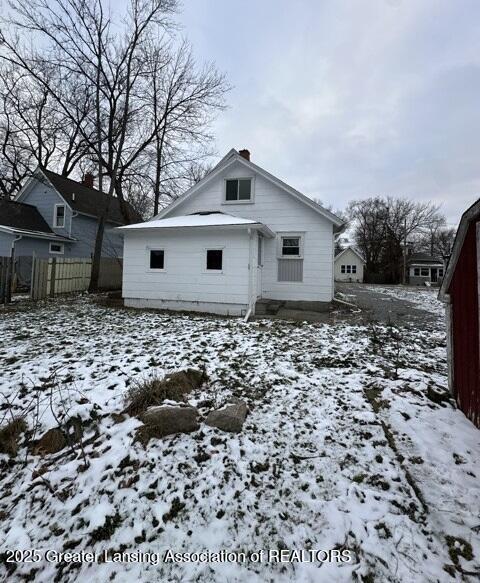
<point>385,225</point>
<point>148,101</point>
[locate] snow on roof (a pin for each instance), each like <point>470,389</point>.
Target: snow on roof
<point>194,220</point>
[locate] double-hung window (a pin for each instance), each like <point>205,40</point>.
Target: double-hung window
<point>290,257</point>
<point>238,190</point>
<point>59,216</point>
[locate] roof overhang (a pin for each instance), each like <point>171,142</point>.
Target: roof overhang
<point>234,157</point>
<point>260,227</point>
<point>470,214</point>
<point>35,234</point>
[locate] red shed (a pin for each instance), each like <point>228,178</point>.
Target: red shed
<point>460,291</point>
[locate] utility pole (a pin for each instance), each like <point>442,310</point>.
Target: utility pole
<point>405,252</point>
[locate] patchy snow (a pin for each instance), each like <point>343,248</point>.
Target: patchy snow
<point>343,448</point>
<point>194,220</point>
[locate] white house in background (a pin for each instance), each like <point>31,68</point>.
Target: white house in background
<point>238,235</point>
<point>349,265</point>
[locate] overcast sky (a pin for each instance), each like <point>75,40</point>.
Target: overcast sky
<point>345,99</point>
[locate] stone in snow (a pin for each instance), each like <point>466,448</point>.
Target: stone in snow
<point>166,420</point>
<point>229,418</point>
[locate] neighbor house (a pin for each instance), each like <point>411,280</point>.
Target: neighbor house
<point>237,236</point>
<point>54,216</point>
<point>424,269</point>
<point>460,291</point>
<point>349,265</point>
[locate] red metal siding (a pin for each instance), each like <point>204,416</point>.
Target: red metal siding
<point>465,328</point>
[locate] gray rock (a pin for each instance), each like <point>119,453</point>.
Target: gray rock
<point>229,418</point>
<point>166,420</point>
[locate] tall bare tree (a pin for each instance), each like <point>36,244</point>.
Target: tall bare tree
<point>148,99</point>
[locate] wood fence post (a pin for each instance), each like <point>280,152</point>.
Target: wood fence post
<point>52,277</point>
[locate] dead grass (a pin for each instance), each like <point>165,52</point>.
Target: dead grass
<point>154,391</point>
<point>10,435</point>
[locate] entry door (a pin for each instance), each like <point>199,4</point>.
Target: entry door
<point>434,275</point>
<point>259,266</point>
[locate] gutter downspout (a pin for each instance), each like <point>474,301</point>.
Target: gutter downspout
<point>250,276</point>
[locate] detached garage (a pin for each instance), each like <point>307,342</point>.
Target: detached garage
<point>460,292</point>
<point>349,265</point>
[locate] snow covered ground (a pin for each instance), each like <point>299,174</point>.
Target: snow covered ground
<point>349,444</point>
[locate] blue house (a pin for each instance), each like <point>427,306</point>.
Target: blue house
<point>54,216</point>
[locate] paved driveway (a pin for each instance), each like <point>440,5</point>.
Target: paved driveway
<point>399,304</point>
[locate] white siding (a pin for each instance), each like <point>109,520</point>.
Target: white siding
<point>349,258</point>
<point>281,213</point>
<point>185,279</point>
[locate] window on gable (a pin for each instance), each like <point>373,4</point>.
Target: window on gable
<point>343,268</point>
<point>59,216</point>
<point>214,259</point>
<point>354,269</point>
<point>238,189</point>
<point>349,269</point>
<point>157,259</point>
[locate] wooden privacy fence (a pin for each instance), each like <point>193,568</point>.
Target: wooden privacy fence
<point>51,277</point>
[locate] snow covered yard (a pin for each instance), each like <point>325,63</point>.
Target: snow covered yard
<point>351,443</point>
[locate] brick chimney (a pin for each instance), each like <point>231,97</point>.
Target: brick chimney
<point>88,180</point>
<point>245,154</point>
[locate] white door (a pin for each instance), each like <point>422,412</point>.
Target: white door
<point>259,265</point>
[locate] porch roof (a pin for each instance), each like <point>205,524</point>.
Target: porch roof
<point>200,220</point>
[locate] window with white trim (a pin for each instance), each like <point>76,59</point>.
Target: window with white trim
<point>59,216</point>
<point>157,259</point>
<point>416,271</point>
<point>214,260</point>
<point>57,248</point>
<point>290,246</point>
<point>425,272</point>
<point>238,190</point>
<point>348,269</point>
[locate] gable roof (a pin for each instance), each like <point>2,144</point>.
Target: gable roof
<point>85,200</point>
<point>19,215</point>
<point>233,156</point>
<point>472,213</point>
<point>19,218</point>
<point>203,219</point>
<point>357,253</point>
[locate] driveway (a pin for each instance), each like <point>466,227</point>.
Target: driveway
<point>399,304</point>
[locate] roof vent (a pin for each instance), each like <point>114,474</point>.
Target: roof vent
<point>208,213</point>
<point>245,154</point>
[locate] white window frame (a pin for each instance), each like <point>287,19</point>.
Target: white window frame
<point>213,271</point>
<point>292,235</point>
<point>61,245</point>
<point>427,274</point>
<point>416,271</point>
<point>354,269</point>
<point>343,269</point>
<point>156,269</point>
<point>55,221</point>
<point>252,190</point>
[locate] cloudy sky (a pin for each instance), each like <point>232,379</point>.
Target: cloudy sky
<point>345,99</point>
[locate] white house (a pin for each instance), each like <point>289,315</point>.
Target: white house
<point>349,265</point>
<point>238,235</point>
